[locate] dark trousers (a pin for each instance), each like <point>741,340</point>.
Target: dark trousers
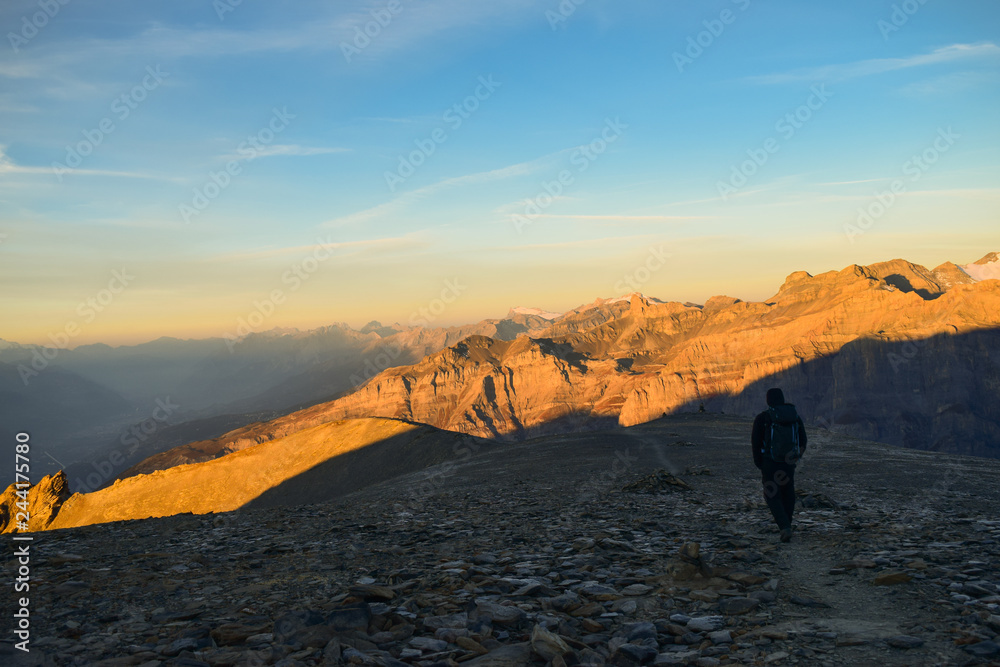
<point>779,490</point>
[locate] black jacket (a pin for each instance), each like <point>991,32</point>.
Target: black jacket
<point>761,424</point>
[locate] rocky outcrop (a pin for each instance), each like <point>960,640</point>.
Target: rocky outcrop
<point>20,514</point>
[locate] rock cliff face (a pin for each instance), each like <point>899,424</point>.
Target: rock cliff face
<point>653,358</point>
<point>892,351</point>
<point>44,501</point>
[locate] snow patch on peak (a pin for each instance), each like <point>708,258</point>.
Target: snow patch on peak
<point>537,312</point>
<point>988,268</point>
<point>628,297</point>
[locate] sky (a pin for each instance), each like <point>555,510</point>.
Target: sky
<point>188,168</point>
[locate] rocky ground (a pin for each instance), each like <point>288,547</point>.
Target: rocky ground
<point>534,554</point>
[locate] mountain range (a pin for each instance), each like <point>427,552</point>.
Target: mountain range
<point>96,405</point>
<point>893,352</point>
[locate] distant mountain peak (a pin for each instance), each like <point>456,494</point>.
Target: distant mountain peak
<point>537,312</point>
<point>629,297</point>
<point>989,258</point>
<point>987,268</point>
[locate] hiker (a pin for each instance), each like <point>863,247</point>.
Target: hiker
<point>778,440</point>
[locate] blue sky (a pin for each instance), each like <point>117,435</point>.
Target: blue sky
<point>161,96</point>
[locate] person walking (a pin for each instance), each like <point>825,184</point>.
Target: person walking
<point>778,440</point>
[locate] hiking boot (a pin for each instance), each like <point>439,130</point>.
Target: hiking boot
<point>786,534</point>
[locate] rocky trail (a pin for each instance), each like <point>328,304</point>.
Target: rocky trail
<point>533,553</point>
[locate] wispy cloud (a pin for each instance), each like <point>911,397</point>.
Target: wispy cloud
<point>299,250</point>
<point>863,180</point>
<point>9,168</point>
<point>288,150</point>
<point>414,196</point>
<point>417,25</point>
<point>581,243</point>
<point>952,83</point>
<point>629,218</point>
<point>844,71</point>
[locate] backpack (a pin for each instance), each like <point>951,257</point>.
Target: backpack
<point>781,440</point>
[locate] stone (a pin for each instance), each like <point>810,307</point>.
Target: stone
<point>746,578</point>
<point>598,591</point>
<point>373,592</point>
<point>640,631</point>
<point>658,482</point>
<point>992,622</point>
<point>984,649</point>
<point>706,623</point>
<point>704,596</point>
<point>470,644</point>
<point>289,623</point>
<point>634,654</point>
<point>547,644</point>
<point>806,602</point>
<point>459,620</point>
<point>891,577</point>
<point>720,637</point>
<point>678,658</point>
<point>904,642</point>
<point>735,606</point>
<point>511,655</point>
<point>500,614</point>
<point>230,634</point>
<point>690,551</point>
<point>428,644</point>
<point>350,618</point>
